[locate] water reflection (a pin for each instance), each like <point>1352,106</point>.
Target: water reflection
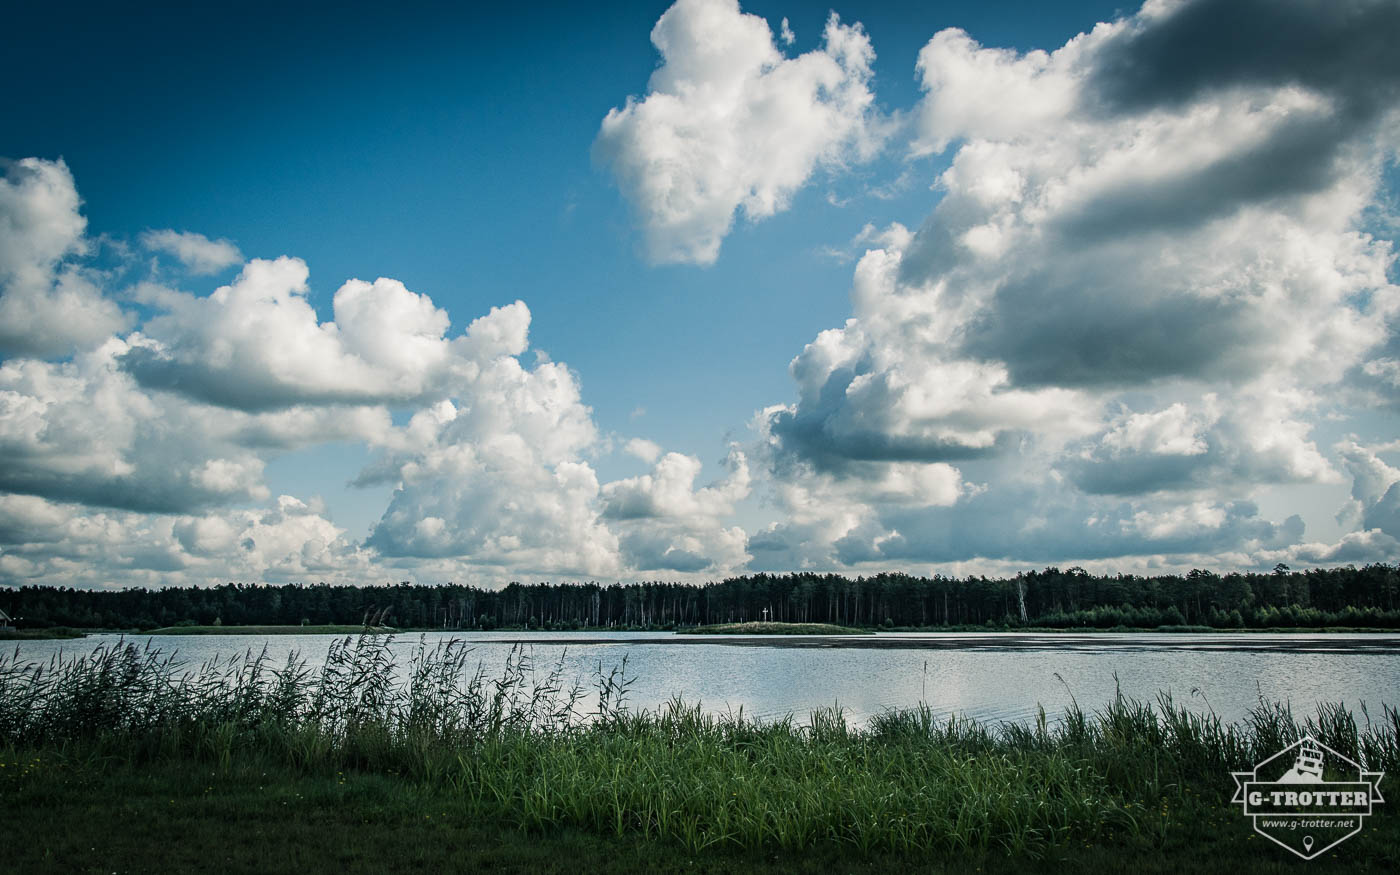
<point>989,677</point>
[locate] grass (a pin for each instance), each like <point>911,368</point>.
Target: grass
<point>358,764</point>
<point>760,628</point>
<point>39,634</point>
<point>265,630</point>
<point>76,813</point>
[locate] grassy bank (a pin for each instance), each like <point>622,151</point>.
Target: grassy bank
<point>759,628</point>
<point>505,768</point>
<point>265,630</point>
<point>39,634</point>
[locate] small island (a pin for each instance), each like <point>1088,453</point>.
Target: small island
<point>765,628</point>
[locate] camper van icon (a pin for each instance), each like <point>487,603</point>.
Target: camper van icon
<point>1307,768</point>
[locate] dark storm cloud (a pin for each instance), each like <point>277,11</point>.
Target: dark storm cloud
<point>648,551</point>
<point>778,548</point>
<point>1300,157</point>
<point>1094,317</point>
<point>250,392</point>
<point>632,505</point>
<point>811,435</point>
<point>1137,475</point>
<point>1385,513</point>
<point>1227,459</point>
<point>831,436</point>
<point>1124,250</point>
<point>1342,48</point>
<point>1102,319</point>
<point>144,494</point>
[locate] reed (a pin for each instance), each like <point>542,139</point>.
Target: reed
<point>522,748</point>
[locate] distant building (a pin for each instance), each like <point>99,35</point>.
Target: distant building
<point>4,620</point>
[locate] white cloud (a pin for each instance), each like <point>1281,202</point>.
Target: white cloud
<point>647,451</point>
<point>669,490</point>
<point>84,431</point>
<point>141,456</point>
<point>257,343</point>
<point>501,479</point>
<point>1168,432</point>
<point>666,524</point>
<point>730,122</point>
<point>1149,276</point>
<point>991,94</point>
<point>197,253</point>
<point>42,541</point>
<point>48,306</point>
<point>885,388</point>
<point>1375,489</point>
<point>1126,311</point>
<point>1260,437</point>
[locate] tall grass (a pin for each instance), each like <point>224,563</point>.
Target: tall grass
<point>521,748</point>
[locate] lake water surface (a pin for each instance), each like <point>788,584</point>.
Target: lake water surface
<point>991,676</point>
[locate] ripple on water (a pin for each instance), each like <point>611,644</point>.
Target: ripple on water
<point>986,676</point>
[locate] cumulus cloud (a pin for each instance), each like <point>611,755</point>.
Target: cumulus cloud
<point>730,122</point>
<point>1173,52</point>
<point>142,457</point>
<point>665,523</point>
<point>498,478</point>
<point>668,491</point>
<point>647,451</point>
<point>1375,489</point>
<point>1148,275</point>
<point>82,431</point>
<point>257,344</point>
<point>1020,518</point>
<point>1204,446</point>
<point>197,253</point>
<point>85,431</point>
<point>824,507</point>
<point>884,387</point>
<point>42,541</point>
<point>49,306</point>
<point>1147,278</point>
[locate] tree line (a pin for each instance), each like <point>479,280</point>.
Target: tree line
<point>1348,596</point>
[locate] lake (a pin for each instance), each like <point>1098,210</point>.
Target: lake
<point>988,676</point>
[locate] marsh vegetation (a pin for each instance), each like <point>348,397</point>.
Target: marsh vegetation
<point>521,749</point>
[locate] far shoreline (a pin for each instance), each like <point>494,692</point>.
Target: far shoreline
<point>1291,640</point>
<point>345,629</point>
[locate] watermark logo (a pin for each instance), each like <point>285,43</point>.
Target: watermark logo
<point>1307,797</point>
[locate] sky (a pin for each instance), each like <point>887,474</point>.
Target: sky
<point>628,291</point>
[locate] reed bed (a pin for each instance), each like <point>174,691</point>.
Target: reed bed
<point>533,749</point>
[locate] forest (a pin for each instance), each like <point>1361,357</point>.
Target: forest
<point>1367,597</point>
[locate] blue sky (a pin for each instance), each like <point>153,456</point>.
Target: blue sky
<point>460,152</point>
